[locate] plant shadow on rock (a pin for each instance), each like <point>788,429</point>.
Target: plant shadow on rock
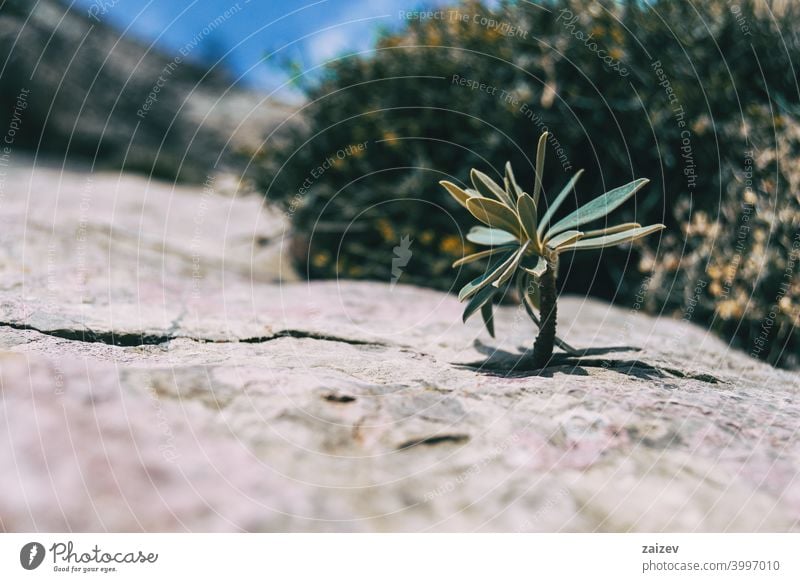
<point>502,363</point>
<point>521,365</point>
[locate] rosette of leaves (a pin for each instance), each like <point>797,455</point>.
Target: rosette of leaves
<point>524,247</point>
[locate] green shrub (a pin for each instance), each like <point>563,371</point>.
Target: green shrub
<point>661,89</point>
<point>739,271</point>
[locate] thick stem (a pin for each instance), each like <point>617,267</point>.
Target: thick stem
<point>543,346</point>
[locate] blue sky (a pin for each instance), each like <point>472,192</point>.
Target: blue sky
<point>308,31</point>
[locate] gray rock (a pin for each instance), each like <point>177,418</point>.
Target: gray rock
<point>243,400</point>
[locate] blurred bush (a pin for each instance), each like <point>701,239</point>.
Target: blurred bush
<point>699,97</point>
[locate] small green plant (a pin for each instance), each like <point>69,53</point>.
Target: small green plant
<point>524,249</point>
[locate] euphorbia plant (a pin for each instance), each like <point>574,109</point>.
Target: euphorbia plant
<point>524,248</point>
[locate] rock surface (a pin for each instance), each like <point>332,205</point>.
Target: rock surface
<point>159,372</point>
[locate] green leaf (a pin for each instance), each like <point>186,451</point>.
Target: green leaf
<point>493,271</point>
<point>494,214</point>
<point>526,210</point>
<point>478,300</point>
<point>488,187</point>
<point>612,229</point>
<point>480,235</point>
<point>540,151</point>
<point>459,194</point>
<point>598,207</point>
<point>565,238</point>
<point>552,208</point>
<point>512,181</point>
<point>612,239</point>
<point>509,270</point>
<point>481,255</point>
<point>536,269</point>
<point>488,317</point>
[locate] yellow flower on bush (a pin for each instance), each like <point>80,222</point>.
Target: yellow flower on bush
<point>729,309</point>
<point>386,230</point>
<point>433,36</point>
<point>426,237</point>
<point>714,271</point>
<point>321,259</point>
<point>451,244</point>
<point>616,53</point>
<point>390,137</point>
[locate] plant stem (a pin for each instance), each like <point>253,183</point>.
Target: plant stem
<point>543,346</point>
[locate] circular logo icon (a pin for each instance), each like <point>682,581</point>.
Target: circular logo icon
<point>31,555</point>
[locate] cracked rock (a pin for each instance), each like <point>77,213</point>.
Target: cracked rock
<point>137,397</point>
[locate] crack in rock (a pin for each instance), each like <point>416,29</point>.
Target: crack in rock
<point>90,336</point>
<point>339,398</point>
<point>301,334</point>
<point>433,440</point>
<point>128,339</point>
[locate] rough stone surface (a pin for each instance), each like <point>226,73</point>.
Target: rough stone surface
<point>159,373</point>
